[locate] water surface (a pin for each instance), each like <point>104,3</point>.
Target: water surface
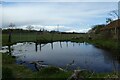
<point>81,55</point>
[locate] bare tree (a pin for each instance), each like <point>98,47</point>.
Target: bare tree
<point>11,25</point>
<point>29,27</point>
<point>115,14</point>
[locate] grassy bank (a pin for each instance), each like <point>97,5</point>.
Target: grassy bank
<point>111,45</point>
<point>107,44</point>
<point>12,70</point>
<point>15,71</point>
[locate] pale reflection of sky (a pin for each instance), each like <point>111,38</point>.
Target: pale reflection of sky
<point>85,55</point>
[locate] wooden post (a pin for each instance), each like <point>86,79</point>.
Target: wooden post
<point>67,43</point>
<point>40,46</point>
<point>52,45</point>
<point>10,35</point>
<point>9,48</point>
<point>36,46</point>
<point>73,43</point>
<point>60,44</point>
<point>9,42</point>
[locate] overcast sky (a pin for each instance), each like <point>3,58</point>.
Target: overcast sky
<point>70,16</point>
<point>61,0</point>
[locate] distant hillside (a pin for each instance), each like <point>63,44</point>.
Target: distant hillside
<point>109,31</point>
<point>112,25</point>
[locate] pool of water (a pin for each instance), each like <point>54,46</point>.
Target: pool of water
<point>62,54</point>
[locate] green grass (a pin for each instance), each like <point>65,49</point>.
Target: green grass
<point>53,72</point>
<point>107,44</point>
<point>14,71</point>
<point>110,45</point>
<point>21,37</point>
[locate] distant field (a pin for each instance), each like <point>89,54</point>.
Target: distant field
<point>20,37</point>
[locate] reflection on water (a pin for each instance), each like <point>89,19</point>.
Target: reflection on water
<point>84,56</point>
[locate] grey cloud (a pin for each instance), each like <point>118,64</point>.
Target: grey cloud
<point>67,14</point>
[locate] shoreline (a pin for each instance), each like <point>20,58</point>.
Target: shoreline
<point>20,71</point>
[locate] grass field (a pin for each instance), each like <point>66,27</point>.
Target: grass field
<point>20,37</point>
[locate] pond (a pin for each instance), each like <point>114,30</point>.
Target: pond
<point>61,54</point>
